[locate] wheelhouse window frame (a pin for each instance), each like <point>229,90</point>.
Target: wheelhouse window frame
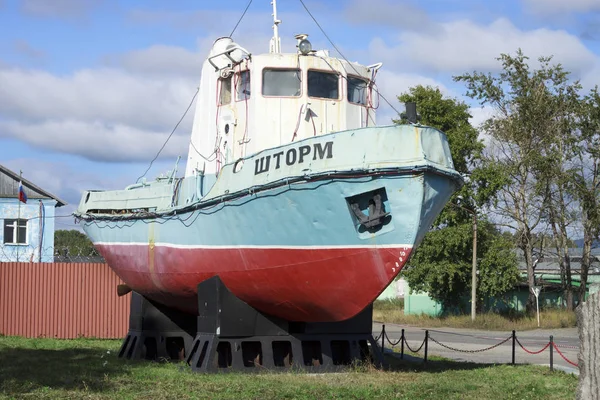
<point>243,81</point>
<point>225,85</point>
<point>282,69</point>
<point>18,229</point>
<point>323,72</point>
<point>349,92</point>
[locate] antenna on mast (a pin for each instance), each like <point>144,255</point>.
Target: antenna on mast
<point>275,41</point>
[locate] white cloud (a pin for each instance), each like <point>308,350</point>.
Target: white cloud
<point>95,140</point>
<point>122,112</point>
<point>397,14</point>
<point>24,48</point>
<point>463,45</point>
<point>108,95</point>
<point>58,8</point>
<point>547,7</point>
<point>479,115</point>
<point>161,60</point>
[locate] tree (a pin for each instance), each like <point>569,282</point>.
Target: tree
<point>70,242</point>
<point>531,112</point>
<point>441,265</point>
<point>587,179</point>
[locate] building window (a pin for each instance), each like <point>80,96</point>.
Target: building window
<point>323,84</point>
<point>225,95</point>
<point>281,82</point>
<point>357,90</point>
<point>15,233</point>
<point>242,86</point>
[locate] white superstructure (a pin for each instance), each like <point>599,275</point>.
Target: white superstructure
<point>247,103</point>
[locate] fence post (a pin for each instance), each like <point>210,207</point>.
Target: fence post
<point>382,337</point>
<point>551,353</point>
<point>426,342</point>
<point>402,345</point>
<point>514,343</point>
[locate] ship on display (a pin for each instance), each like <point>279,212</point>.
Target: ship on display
<point>293,197</point>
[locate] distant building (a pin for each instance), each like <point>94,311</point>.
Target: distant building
<point>547,275</point>
<point>27,227</point>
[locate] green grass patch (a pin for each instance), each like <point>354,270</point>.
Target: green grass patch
<point>58,369</point>
<point>389,304</point>
<point>391,312</point>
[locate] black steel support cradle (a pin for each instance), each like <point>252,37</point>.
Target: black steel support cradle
<point>229,335</point>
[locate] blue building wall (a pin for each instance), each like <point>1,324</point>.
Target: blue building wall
<point>36,245</point>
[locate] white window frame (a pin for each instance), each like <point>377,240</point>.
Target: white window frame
<point>15,237</point>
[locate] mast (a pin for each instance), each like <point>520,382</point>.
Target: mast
<point>275,41</point>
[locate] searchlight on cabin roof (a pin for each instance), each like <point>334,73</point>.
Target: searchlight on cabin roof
<point>304,46</point>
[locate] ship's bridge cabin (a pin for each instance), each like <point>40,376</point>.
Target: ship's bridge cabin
<point>247,103</point>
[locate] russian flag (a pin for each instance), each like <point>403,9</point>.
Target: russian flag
<point>22,195</point>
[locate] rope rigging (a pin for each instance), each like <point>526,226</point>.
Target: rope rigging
<point>344,57</point>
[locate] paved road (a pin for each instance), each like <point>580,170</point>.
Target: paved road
<point>567,341</point>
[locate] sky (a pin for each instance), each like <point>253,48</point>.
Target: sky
<point>91,89</point>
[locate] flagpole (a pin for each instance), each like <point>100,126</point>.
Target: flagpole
<point>18,214</point>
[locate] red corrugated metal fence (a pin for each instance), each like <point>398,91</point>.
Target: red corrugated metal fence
<point>61,300</point>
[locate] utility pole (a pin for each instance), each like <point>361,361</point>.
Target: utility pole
<point>474,271</point>
<point>474,268</point>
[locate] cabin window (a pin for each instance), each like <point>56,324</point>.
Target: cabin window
<point>323,84</point>
<point>15,232</point>
<point>357,90</point>
<point>281,82</point>
<point>225,95</point>
<point>242,86</point>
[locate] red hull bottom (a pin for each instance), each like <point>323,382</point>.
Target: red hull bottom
<point>296,284</point>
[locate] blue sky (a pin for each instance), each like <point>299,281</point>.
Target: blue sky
<point>90,89</point>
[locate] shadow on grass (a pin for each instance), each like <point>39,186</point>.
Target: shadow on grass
<point>435,365</point>
<point>24,370</point>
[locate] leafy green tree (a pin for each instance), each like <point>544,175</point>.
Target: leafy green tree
<point>587,178</point>
<point>442,264</point>
<point>528,146</point>
<point>70,242</point>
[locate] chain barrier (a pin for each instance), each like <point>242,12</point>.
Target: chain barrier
<point>533,352</point>
<point>471,351</point>
<point>384,336</point>
<point>566,346</point>
<point>563,356</point>
<point>392,343</point>
<point>417,350</point>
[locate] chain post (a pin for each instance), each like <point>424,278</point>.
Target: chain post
<point>551,353</point>
<point>426,340</point>
<point>514,343</point>
<point>402,345</point>
<point>382,338</point>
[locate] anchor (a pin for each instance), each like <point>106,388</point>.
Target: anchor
<point>376,213</point>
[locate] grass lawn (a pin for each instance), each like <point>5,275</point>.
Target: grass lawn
<point>392,311</point>
<point>84,368</point>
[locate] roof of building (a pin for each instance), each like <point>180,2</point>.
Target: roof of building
<point>9,187</point>
<point>549,262</point>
